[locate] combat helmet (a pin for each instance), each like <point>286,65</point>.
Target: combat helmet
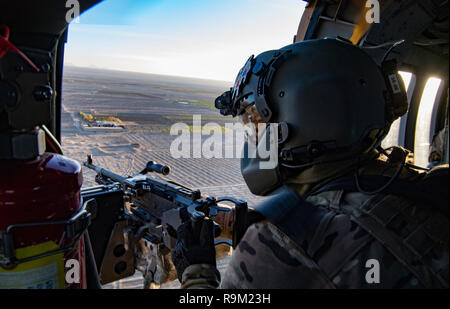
<point>331,101</point>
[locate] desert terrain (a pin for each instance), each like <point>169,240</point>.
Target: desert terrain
<point>146,106</point>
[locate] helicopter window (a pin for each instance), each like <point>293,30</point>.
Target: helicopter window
<point>426,116</point>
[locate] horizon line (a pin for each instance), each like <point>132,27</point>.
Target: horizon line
<point>147,73</point>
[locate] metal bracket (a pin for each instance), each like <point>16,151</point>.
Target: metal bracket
<point>75,228</point>
<point>118,262</point>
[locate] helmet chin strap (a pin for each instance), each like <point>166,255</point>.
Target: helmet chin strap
<point>361,159</point>
<point>322,147</point>
<point>315,150</point>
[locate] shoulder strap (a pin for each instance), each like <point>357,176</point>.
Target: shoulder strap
<point>306,224</point>
<point>298,219</point>
<point>284,208</point>
<point>293,215</point>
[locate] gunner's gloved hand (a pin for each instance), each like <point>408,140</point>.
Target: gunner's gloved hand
<point>195,245</point>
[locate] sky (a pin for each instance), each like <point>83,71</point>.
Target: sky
<point>209,39</point>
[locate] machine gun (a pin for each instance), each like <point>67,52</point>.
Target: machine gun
<point>135,220</point>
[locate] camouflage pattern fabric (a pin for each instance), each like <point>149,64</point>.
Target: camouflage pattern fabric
<point>266,258</point>
<point>408,241</point>
<point>437,147</point>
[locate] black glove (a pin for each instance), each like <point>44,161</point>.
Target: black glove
<point>195,245</point>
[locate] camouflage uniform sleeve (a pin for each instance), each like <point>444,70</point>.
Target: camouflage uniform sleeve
<point>200,276</point>
<point>437,147</point>
<point>267,258</point>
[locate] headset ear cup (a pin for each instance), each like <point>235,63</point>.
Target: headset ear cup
<point>396,98</point>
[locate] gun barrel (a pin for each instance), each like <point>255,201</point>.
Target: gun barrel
<point>108,174</point>
<point>158,168</point>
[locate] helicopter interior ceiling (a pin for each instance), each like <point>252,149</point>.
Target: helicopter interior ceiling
<point>424,25</point>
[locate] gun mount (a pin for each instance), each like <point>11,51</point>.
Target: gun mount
<point>136,219</point>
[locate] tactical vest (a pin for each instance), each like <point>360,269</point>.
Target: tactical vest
<point>303,221</point>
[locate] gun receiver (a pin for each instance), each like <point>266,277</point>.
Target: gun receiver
<point>152,212</point>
